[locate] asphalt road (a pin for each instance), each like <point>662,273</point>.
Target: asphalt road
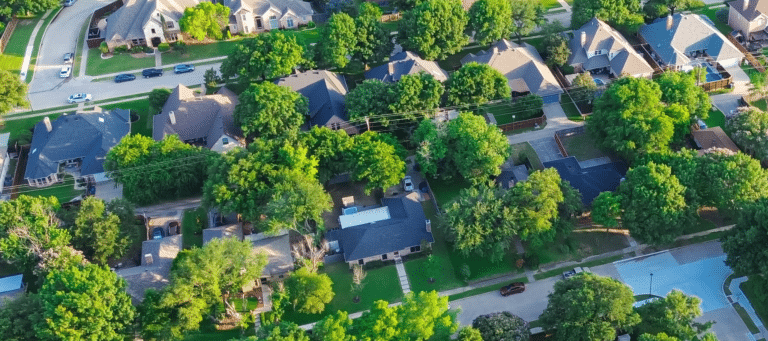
<point>528,305</point>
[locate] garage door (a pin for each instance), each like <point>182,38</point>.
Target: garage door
<point>552,99</point>
<point>730,62</point>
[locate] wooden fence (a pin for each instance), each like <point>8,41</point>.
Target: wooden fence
<point>98,15</point>
<point>7,34</point>
<point>645,51</point>
<point>750,58</point>
<point>391,17</point>
<point>530,123</point>
<point>718,84</point>
<point>565,133</point>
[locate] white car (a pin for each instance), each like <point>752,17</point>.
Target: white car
<point>78,98</point>
<point>408,183</point>
<point>65,71</point>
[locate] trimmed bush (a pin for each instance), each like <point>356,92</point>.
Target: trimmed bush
<point>104,47</point>
<point>311,24</point>
<point>121,49</point>
<point>163,47</point>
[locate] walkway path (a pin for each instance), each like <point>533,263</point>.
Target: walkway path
<point>31,46</point>
<point>158,58</point>
<point>79,107</point>
<point>565,5</point>
<point>402,275</point>
<point>738,296</point>
<point>556,120</point>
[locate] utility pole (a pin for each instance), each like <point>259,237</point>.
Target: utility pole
<point>650,289</point>
<point>368,123</point>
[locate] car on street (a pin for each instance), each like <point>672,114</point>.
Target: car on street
<point>514,288</point>
<point>124,77</point>
<point>158,233</point>
<point>152,73</point>
<point>68,3</point>
<point>78,98</point>
<point>408,184</point>
<point>183,68</point>
<point>69,57</point>
<point>570,273</point>
<point>65,72</point>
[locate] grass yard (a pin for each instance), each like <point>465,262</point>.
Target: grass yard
<point>391,26</point>
<point>97,66</point>
<point>453,62</point>
<point>715,119</point>
<point>745,317</point>
<point>711,14</point>
<point>195,52</point>
<point>582,146</point>
<point>754,289</point>
<point>445,190</point>
<point>570,108</point>
<point>523,151</point>
<point>141,107</point>
<point>13,56</point>
<point>550,4</point>
<point>78,47</point>
<point>194,220</point>
<point>760,104</point>
<point>380,284</point>
<point>700,225</point>
<point>64,191</point>
<point>17,127</point>
<point>596,243</point>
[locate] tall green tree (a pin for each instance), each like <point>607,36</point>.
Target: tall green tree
<point>431,140</point>
<point>470,334</point>
<point>369,99</point>
<point>339,39</point>
<point>526,16</point>
<point>157,98</point>
<point>97,232</point>
<point>265,56</point>
<point>590,308</point>
<point>744,243</point>
<point>13,92</point>
<point>501,326</point>
<point>374,157</point>
<point>267,110</point>
<point>555,46</point>
<point>23,7</point>
<point>624,14</point>
<point>490,20</point>
<point>373,42</point>
<point>330,147</point>
<point>415,96</point>
<point>422,314</point>
<point>750,131</point>
<point>606,208</point>
<point>86,302</point>
<point>333,327</point>
<point>477,149</point>
<point>284,331</point>
<point>537,200</point>
<point>674,315</point>
<point>434,29</point>
<point>654,205</point>
<point>206,19</point>
<point>584,88</point>
<point>18,318</point>
<point>477,83</point>
<point>309,292</point>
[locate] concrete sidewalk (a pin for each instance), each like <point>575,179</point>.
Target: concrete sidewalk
<point>31,46</point>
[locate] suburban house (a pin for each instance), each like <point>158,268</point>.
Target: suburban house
<point>157,255</point>
<point>710,139</point>
<point>405,63</point>
<point>598,48</point>
<point>396,228</point>
<point>511,175</point>
<point>326,93</point>
<point>75,144</point>
<point>5,160</point>
<point>146,22</point>
<point>199,120</point>
<point>589,181</point>
<point>253,16</point>
<point>522,66</point>
<point>10,288</point>
<point>749,17</point>
<point>684,41</point>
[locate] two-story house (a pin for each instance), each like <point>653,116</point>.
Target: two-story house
<point>598,48</point>
<point>254,16</point>
<point>146,22</point>
<point>749,17</point>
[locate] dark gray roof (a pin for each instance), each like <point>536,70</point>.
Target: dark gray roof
<point>87,135</point>
<point>207,117</point>
<point>599,36</point>
<point>590,182</point>
<point>689,33</point>
<point>753,10</point>
<point>278,251</point>
<point>405,63</point>
<point>224,231</point>
<point>511,176</point>
<point>405,228</point>
<point>128,21</point>
<point>325,92</point>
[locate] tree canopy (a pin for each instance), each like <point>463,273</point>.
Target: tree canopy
<point>330,147</point>
<point>158,97</point>
<point>206,19</point>
<point>490,20</point>
<point>309,292</point>
<point>624,14</point>
<point>97,232</point>
<point>745,244</point>
<point>13,91</point>
<point>590,308</point>
<point>434,29</point>
<point>13,7</point>
<point>266,56</point>
<point>750,131</point>
<point>526,16</point>
<point>555,46</point>
<point>268,110</point>
<point>477,83</point>
<point>412,97</point>
<point>501,327</point>
<point>420,317</point>
<point>377,158</point>
<point>339,40</point>
<point>674,316</point>
<point>373,42</point>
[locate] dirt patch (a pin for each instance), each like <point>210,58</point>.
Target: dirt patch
<point>141,55</point>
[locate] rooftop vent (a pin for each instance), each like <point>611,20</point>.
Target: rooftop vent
<point>101,119</point>
<point>172,117</point>
<point>47,122</point>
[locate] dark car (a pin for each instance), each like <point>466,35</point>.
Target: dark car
<point>514,288</point>
<point>183,68</point>
<point>158,233</point>
<point>125,77</point>
<point>152,73</point>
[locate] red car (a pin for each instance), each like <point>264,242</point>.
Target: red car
<point>514,288</point>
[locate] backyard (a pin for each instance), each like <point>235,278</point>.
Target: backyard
<point>583,146</point>
<point>192,225</point>
<point>524,151</point>
<point>64,191</point>
<point>445,190</point>
<point>566,102</point>
<point>715,119</point>
<point>141,107</point>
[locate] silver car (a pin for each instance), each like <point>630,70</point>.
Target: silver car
<point>79,98</point>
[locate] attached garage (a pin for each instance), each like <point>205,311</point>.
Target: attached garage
<point>551,99</point>
<point>730,62</point>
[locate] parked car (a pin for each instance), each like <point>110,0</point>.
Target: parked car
<point>78,98</point>
<point>408,184</point>
<point>65,72</point>
<point>158,233</point>
<point>514,288</point>
<point>152,73</point>
<point>574,272</point>
<point>124,77</point>
<point>69,57</point>
<point>183,68</point>
<point>68,3</point>
<point>701,123</point>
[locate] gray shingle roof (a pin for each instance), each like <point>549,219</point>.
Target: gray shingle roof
<point>405,228</point>
<point>87,135</point>
<point>208,117</point>
<point>522,66</point>
<point>511,176</point>
<point>326,93</point>
<point>261,7</point>
<point>405,63</point>
<point>128,21</point>
<point>753,10</point>
<point>599,36</point>
<point>689,33</point>
<point>224,231</point>
<point>277,249</point>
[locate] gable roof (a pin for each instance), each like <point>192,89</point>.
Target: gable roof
<point>753,10</point>
<point>128,21</point>
<point>208,117</point>
<point>405,228</point>
<point>591,181</point>
<point>689,33</point>
<point>522,66</point>
<point>262,7</point>
<point>88,135</point>
<point>405,63</point>
<point>223,231</point>
<point>278,251</point>
<point>713,137</point>
<point>512,175</point>
<point>599,36</point>
<point>326,93</point>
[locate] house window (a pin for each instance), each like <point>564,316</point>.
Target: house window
<point>273,23</point>
<point>258,23</point>
<point>598,52</point>
<point>289,22</point>
<point>153,30</point>
<point>245,29</point>
<point>384,257</point>
<point>416,248</point>
<point>169,24</point>
<point>360,262</point>
<point>244,17</point>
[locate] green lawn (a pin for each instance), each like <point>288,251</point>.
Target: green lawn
<point>755,291</point>
<point>582,146</point>
<point>195,52</point>
<point>522,151</point>
<point>760,104</point>
<point>570,108</point>
<point>699,225</point>
<point>391,26</point>
<point>141,106</point>
<point>504,112</point>
<point>78,47</point>
<point>13,56</point>
<point>745,317</point>
<point>559,271</point>
<point>16,127</point>
<point>380,284</point>
<point>453,62</point>
<point>64,191</point>
<point>195,220</point>
<point>716,119</point>
<point>710,13</point>
<point>118,63</point>
<point>445,190</point>
<point>550,4</point>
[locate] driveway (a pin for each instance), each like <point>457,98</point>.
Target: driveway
<point>108,191</point>
<point>527,305</point>
<point>556,120</point>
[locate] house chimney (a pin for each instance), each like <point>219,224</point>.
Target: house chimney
<point>745,5</point>
<point>47,122</point>
<point>670,22</point>
<point>583,38</point>
<point>429,225</point>
<point>172,116</point>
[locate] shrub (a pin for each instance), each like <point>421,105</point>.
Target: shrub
<point>502,326</point>
<point>163,47</point>
<point>148,49</point>
<point>137,49</point>
<point>532,260</point>
<point>180,47</point>
<point>311,24</point>
<point>465,272</point>
<point>104,47</point>
<point>121,49</point>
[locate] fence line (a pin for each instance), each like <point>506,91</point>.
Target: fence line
<point>391,17</point>
<point>529,123</point>
<point>750,58</point>
<point>7,34</point>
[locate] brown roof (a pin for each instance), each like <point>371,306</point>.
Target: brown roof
<point>753,9</point>
<point>713,138</point>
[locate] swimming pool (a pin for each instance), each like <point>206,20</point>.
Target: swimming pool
<point>712,74</point>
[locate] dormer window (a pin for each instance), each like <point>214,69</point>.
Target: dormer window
<point>598,52</point>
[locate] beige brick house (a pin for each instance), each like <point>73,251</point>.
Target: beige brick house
<point>146,22</point>
<point>253,16</point>
<point>748,16</point>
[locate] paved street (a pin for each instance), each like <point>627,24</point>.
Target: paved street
<point>528,305</point>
